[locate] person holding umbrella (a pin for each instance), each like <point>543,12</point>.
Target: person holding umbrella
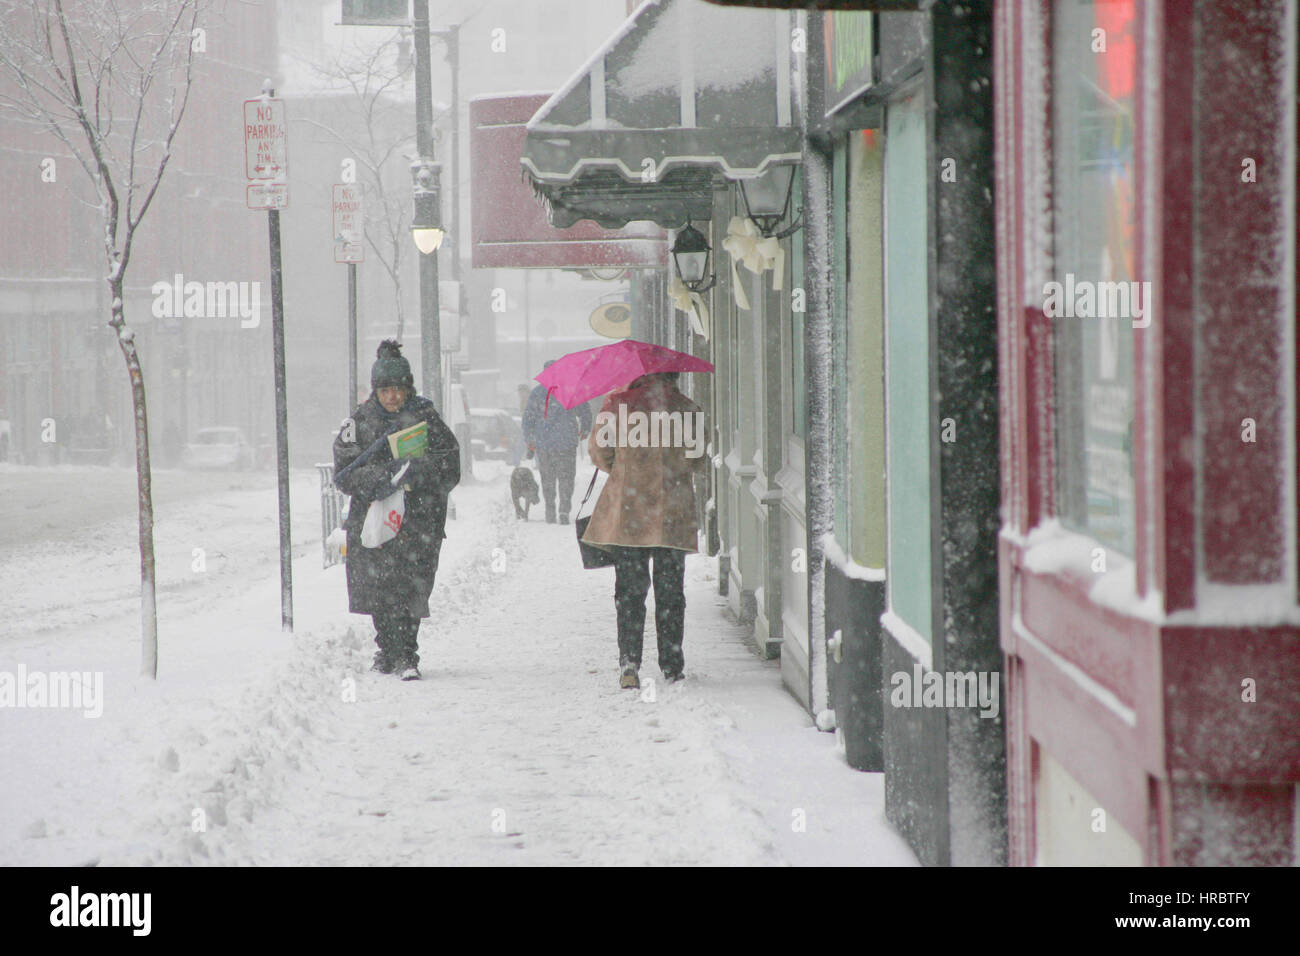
<point>646,516</point>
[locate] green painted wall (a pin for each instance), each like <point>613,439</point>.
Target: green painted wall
<point>907,317</point>
<point>864,355</point>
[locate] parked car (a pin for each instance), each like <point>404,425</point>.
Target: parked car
<point>494,433</point>
<point>222,446</point>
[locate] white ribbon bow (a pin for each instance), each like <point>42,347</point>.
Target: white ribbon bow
<point>692,304</point>
<point>745,243</point>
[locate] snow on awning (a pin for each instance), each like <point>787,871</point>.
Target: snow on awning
<point>684,94</point>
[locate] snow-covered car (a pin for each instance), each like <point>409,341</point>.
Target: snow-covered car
<point>494,433</point>
<point>221,446</point>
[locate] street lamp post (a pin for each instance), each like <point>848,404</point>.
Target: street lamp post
<point>450,36</point>
<point>426,221</point>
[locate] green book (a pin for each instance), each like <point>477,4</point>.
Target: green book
<point>410,442</point>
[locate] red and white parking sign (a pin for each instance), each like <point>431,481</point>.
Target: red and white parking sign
<point>349,223</point>
<point>266,155</point>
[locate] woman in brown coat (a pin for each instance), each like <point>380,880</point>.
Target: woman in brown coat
<point>651,439</point>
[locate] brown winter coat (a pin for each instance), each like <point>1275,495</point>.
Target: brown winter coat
<point>649,499</point>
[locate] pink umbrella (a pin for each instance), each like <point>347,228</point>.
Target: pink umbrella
<point>581,376</point>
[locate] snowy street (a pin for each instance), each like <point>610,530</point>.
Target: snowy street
<point>962,334</point>
<point>517,747</point>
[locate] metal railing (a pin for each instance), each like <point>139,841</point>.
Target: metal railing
<point>333,510</point>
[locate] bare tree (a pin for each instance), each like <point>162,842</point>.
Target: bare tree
<point>375,132</point>
<point>112,85</point>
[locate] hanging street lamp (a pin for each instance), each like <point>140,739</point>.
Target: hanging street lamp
<point>691,258</point>
<point>767,201</point>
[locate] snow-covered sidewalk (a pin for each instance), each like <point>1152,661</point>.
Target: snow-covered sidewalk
<point>517,747</point>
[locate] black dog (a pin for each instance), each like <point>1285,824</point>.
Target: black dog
<point>523,485</point>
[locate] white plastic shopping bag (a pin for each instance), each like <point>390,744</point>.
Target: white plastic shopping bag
<point>383,520</point>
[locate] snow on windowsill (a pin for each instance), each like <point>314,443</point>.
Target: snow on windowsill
<point>1052,549</point>
<point>1239,605</point>
<point>909,638</point>
<point>846,565</point>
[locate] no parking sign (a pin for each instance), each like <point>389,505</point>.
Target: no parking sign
<point>266,153</point>
<point>349,223</point>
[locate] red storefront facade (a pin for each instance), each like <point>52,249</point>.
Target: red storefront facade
<point>510,227</point>
<point>1146,234</point>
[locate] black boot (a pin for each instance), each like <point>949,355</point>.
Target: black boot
<point>386,658</point>
<point>407,657</point>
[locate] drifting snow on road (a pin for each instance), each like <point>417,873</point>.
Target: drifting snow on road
<point>517,747</point>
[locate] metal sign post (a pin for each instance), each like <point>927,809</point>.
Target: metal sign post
<point>349,233</point>
<point>267,169</point>
<point>353,397</point>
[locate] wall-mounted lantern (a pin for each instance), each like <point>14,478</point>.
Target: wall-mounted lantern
<point>691,257</point>
<point>767,201</point>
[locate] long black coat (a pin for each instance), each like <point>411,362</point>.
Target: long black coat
<point>397,577</point>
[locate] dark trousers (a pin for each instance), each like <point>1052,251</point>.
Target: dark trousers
<point>632,578</point>
<point>558,466</point>
<point>397,637</point>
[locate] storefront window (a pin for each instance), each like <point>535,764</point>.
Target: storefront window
<point>1093,294</point>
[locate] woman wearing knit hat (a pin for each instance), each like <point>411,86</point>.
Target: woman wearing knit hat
<point>392,582</point>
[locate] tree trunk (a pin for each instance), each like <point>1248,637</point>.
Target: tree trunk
<point>144,484</point>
